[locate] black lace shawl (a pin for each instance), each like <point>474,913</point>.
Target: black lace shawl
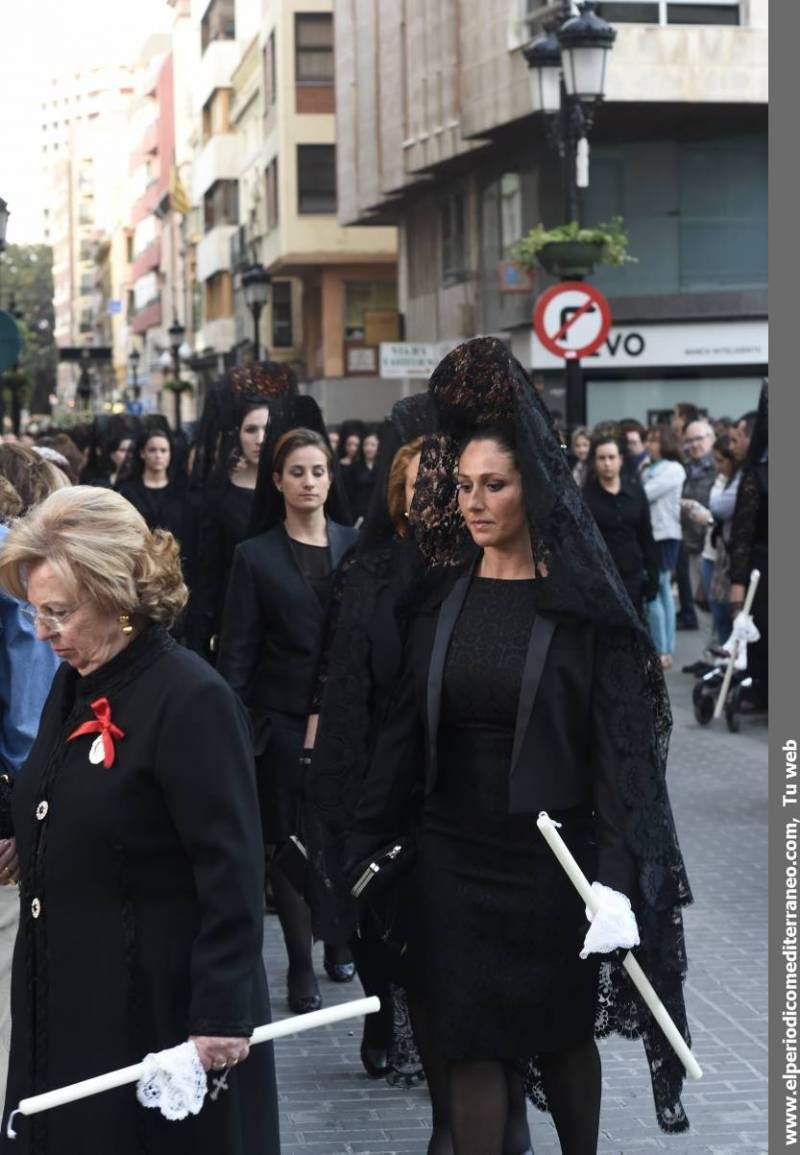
<point>480,384</point>
<point>360,658</point>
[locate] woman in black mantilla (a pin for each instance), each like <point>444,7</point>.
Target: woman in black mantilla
<point>531,686</point>
<point>156,483</point>
<point>229,442</point>
<point>141,865</point>
<point>270,637</point>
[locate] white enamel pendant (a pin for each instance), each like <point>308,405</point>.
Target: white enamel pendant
<point>97,753</point>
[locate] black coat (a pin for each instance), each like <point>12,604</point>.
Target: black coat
<point>624,521</point>
<point>141,907</point>
<point>272,624</point>
<point>563,755</point>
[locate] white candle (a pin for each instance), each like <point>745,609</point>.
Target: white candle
<point>637,975</point>
<point>95,1086</point>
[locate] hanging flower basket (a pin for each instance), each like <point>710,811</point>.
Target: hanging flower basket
<point>571,258</point>
<point>572,251</point>
<point>178,387</point>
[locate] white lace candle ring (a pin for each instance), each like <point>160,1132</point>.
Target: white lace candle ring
<point>173,1081</point>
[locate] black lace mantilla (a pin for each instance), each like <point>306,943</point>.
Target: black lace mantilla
<point>481,384</point>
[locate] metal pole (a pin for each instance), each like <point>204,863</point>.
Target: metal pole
<point>573,373</point>
<point>256,311</point>
<point>176,360</point>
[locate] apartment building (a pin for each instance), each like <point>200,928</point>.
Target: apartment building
<point>83,151</point>
<point>436,134</point>
<point>334,288</point>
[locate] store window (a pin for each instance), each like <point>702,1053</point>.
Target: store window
<point>316,178</point>
<point>282,335</point>
<point>313,39</point>
<point>362,298</point>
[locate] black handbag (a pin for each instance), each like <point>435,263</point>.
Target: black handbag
<point>376,874</point>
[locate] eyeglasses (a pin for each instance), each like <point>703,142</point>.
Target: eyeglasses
<point>53,623</point>
<point>695,440</point>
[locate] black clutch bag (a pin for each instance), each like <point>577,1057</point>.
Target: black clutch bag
<point>382,869</point>
<point>292,862</point>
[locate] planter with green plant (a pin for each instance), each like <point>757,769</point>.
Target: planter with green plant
<point>572,251</point>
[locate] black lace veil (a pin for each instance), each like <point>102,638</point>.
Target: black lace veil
<point>227,403</point>
<point>480,384</point>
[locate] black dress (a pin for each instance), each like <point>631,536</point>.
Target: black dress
<point>505,981</point>
<point>141,907</point>
<point>624,521</point>
<point>161,508</point>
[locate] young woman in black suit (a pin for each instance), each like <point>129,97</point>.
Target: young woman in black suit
<point>270,636</point>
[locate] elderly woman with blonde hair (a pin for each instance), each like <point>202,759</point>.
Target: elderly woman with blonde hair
<point>139,847</point>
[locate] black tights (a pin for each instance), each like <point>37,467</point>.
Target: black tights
<point>480,1103</point>
<point>295,920</point>
<point>504,1090</point>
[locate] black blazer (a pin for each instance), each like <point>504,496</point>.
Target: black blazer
<point>563,755</point>
<point>272,623</point>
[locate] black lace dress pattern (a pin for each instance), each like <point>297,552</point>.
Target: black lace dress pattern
<point>505,981</point>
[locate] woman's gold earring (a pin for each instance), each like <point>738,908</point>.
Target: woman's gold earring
<point>125,622</point>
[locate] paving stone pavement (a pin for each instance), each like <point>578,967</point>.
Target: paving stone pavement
<point>718,786</point>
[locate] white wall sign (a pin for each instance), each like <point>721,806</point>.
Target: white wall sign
<point>663,346</point>
<point>407,359</point>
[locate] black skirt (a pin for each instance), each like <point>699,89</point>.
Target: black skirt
<point>281,738</point>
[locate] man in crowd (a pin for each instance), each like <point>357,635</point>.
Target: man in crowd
<point>698,441</point>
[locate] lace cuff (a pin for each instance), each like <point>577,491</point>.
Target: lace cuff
<point>613,926</point>
<point>173,1081</point>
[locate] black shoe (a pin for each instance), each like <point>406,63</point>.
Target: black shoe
<point>680,625</point>
<point>339,972</point>
<point>697,668</point>
<point>375,1060</point>
<point>303,993</point>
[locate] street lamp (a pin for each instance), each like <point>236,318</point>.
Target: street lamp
<point>133,364</point>
<point>568,72</point>
<point>257,284</point>
<point>176,333</point>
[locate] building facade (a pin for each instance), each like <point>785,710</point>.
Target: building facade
<point>436,134</point>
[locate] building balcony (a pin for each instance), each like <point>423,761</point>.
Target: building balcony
<point>218,159</point>
<point>147,260</point>
<point>214,251</point>
<point>217,66</point>
<point>148,317</point>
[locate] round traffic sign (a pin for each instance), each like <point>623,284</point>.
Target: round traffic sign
<point>572,319</point>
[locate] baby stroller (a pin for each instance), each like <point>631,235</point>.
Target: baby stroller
<point>736,683</point>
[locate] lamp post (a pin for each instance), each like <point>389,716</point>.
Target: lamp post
<point>176,333</point>
<point>133,364</point>
<point>257,285</point>
<point>568,71</point>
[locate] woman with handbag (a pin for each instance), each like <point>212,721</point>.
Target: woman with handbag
<point>271,629</point>
<point>531,685</point>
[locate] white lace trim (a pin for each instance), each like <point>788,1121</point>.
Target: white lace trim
<point>173,1081</point>
<point>613,926</point>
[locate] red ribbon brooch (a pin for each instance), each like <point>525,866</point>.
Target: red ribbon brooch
<point>103,726</point>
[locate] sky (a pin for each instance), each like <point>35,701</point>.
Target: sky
<point>36,38</point>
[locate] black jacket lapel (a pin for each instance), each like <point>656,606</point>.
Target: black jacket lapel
<point>538,647</point>
<point>339,539</point>
<point>448,616</point>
